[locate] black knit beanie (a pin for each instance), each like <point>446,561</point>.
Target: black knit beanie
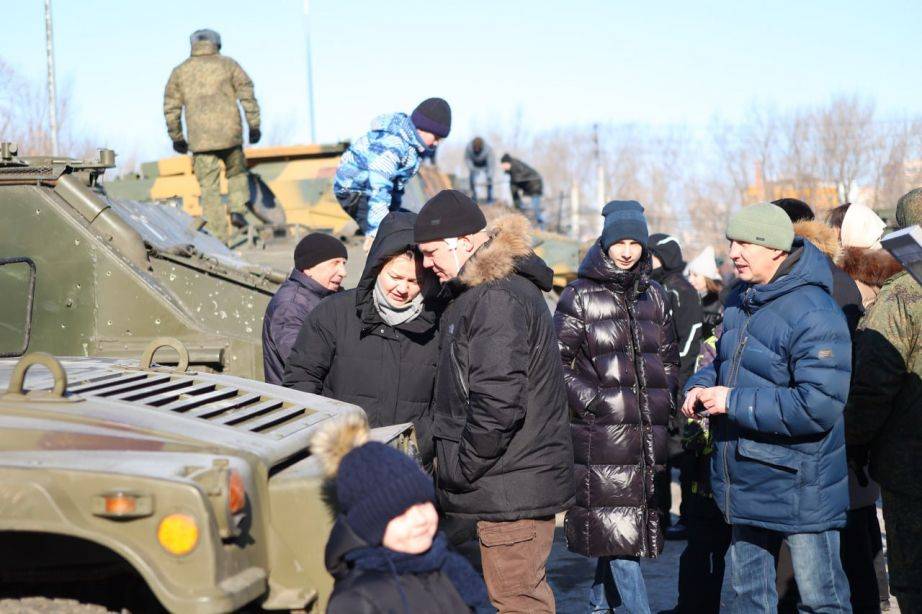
<point>449,213</point>
<point>624,219</point>
<point>318,247</point>
<point>797,210</point>
<point>433,115</point>
<point>377,483</point>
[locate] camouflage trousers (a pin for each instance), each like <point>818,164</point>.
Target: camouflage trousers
<point>207,168</point>
<point>903,520</point>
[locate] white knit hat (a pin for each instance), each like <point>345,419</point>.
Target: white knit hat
<point>861,227</point>
<point>704,264</point>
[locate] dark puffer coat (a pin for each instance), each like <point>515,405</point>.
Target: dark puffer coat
<point>683,301</point>
<point>785,354</point>
<point>346,352</point>
<point>502,446</point>
<point>523,178</point>
<point>621,362</point>
<point>285,314</point>
<point>360,591</point>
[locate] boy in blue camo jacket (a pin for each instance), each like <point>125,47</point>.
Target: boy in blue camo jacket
<point>375,169</point>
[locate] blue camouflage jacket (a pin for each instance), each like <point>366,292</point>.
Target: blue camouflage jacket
<point>379,164</point>
<point>785,353</point>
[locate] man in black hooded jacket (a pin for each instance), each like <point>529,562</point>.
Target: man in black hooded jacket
<point>688,315</point>
<point>504,456</point>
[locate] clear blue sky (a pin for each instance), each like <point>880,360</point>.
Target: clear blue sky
<point>581,61</point>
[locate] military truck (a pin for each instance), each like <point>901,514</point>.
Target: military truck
<point>299,179</point>
<point>132,486</point>
<point>85,274</point>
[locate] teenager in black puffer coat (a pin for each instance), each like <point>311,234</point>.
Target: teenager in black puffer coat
<point>620,358</point>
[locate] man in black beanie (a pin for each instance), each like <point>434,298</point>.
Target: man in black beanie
<point>320,268</point>
<point>503,453</point>
<point>374,171</point>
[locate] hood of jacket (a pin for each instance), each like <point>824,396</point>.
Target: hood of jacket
<point>598,267</point>
<point>869,266</point>
<point>811,268</point>
<point>400,125</point>
<point>508,251</point>
<point>822,236</point>
<point>395,236</point>
<point>203,48</point>
<point>342,541</point>
<point>667,249</point>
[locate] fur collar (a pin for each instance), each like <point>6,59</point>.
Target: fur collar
<point>822,236</point>
<point>869,266</point>
<point>510,239</point>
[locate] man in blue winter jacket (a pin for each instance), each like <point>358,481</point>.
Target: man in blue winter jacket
<point>374,171</point>
<point>775,396</point>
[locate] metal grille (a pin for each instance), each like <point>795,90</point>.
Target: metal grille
<point>28,173</point>
<point>217,403</point>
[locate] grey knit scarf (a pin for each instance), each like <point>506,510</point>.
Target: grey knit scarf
<point>394,316</point>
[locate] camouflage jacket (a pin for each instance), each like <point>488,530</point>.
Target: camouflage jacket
<point>209,85</point>
<point>884,409</point>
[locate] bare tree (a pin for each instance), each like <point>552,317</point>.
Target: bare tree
<point>24,117</point>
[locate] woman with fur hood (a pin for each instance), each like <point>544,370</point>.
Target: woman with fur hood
<point>862,256</point>
<point>384,551</point>
<point>621,362</point>
<point>844,291</point>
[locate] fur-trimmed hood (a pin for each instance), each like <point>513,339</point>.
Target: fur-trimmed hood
<point>869,266</point>
<point>337,438</point>
<point>822,236</point>
<point>508,251</point>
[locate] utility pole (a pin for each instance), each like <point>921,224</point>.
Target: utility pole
<point>310,71</point>
<point>599,171</point>
<point>52,93</point>
<point>574,210</point>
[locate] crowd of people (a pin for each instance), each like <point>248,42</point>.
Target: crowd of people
<point>786,393</point>
<point>743,383</point>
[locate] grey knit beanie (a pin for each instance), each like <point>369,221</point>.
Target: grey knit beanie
<point>763,224</point>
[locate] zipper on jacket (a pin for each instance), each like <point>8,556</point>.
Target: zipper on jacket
<point>731,381</point>
<point>456,368</point>
<point>637,358</point>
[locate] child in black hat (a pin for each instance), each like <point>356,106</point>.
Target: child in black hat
<point>384,550</point>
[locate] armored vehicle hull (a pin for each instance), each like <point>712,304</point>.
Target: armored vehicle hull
<point>300,180</point>
<point>90,275</point>
<point>134,486</point>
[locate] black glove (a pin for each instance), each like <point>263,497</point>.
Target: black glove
<point>237,220</point>
<point>180,146</point>
<point>858,458</point>
<point>255,135</point>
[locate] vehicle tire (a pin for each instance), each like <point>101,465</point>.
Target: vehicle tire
<point>45,605</point>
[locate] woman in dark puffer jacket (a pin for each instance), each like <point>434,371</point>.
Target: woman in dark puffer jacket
<point>618,345</point>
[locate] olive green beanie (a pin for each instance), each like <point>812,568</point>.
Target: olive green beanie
<point>764,224</point>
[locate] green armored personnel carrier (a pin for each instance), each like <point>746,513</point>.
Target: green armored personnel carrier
<point>141,488</point>
<point>297,182</point>
<point>83,274</point>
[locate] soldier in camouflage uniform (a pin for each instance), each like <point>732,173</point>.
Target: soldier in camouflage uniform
<point>209,85</point>
<point>883,418</point>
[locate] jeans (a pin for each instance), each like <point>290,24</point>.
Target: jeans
<point>618,582</point>
<point>817,569</point>
<point>475,174</point>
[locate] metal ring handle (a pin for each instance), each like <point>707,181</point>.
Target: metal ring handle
<point>166,342</point>
<point>18,378</point>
